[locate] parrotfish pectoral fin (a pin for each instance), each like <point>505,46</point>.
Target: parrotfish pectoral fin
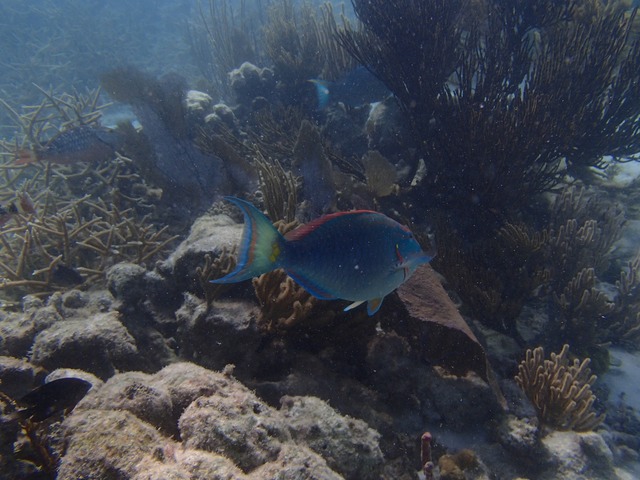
<point>354,305</point>
<point>260,247</point>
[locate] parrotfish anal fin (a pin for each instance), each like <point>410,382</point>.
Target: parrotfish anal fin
<point>304,230</point>
<point>374,305</point>
<point>260,247</point>
<point>310,286</point>
<point>353,305</point>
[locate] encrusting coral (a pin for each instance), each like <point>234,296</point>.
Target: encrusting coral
<point>560,390</point>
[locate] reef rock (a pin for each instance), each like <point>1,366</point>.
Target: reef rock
<point>99,344</point>
<point>106,444</point>
<point>197,102</point>
<point>171,463</point>
<point>437,332</point>
<point>387,129</point>
<point>295,462</point>
<point>209,234</point>
<point>348,445</point>
<point>573,455</point>
<point>17,331</point>
<point>136,393</point>
<point>249,82</point>
<point>520,437</point>
<point>236,424</point>
<point>225,333</point>
<point>17,376</point>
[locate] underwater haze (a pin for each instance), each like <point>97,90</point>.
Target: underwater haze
<point>287,239</point>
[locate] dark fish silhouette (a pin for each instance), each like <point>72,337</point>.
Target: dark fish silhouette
<point>63,275</point>
<point>53,397</point>
<point>7,212</point>
<point>78,144</point>
<point>22,205</point>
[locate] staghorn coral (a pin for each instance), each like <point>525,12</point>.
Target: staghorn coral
<point>76,220</point>
<point>560,390</point>
<point>85,235</point>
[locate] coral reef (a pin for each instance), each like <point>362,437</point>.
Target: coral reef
<point>488,81</point>
<point>222,426</point>
<point>559,390</point>
<point>221,40</point>
<point>172,160</point>
<point>283,303</point>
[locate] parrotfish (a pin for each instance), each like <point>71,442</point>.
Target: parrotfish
<point>359,255</point>
<point>84,143</point>
<point>358,87</point>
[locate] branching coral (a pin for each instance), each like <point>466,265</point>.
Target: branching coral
<point>302,46</point>
<point>283,303</point>
<point>496,277</point>
<point>84,235</point>
<point>560,390</point>
<point>503,98</point>
<point>516,252</point>
<point>220,41</point>
<point>624,327</point>
<point>279,189</point>
<point>78,219</point>
<point>223,264</point>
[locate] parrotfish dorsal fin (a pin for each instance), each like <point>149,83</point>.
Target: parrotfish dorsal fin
<point>304,230</point>
<point>260,247</point>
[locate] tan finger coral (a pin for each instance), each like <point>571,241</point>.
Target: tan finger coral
<point>560,390</point>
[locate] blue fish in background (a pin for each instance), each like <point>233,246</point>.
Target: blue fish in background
<point>358,87</point>
<point>359,255</point>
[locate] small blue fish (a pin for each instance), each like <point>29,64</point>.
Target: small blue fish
<point>358,87</point>
<point>359,256</point>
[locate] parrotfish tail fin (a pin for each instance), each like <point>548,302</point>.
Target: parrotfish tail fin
<point>25,157</point>
<point>373,305</point>
<point>322,93</point>
<point>260,247</point>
